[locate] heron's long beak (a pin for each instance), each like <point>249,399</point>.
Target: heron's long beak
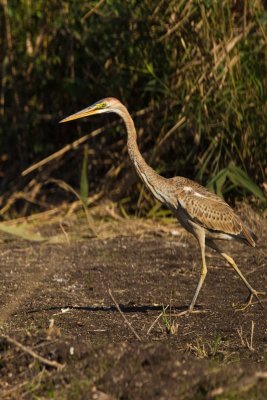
<point>81,114</point>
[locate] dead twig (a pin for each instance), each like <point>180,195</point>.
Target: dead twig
<point>156,320</point>
<point>93,10</point>
<point>179,123</point>
<point>184,17</point>
<point>245,342</point>
<point>65,186</point>
<point>123,316</point>
<point>65,233</point>
<point>240,334</point>
<point>32,353</point>
<point>62,151</point>
<point>250,345</point>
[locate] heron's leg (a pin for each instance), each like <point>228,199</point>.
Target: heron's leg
<point>230,261</point>
<point>253,292</point>
<point>200,236</point>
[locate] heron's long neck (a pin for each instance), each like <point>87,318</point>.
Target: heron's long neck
<point>153,181</point>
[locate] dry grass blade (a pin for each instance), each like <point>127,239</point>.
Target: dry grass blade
<point>72,146</point>
<point>186,15</point>
<point>250,344</point>
<point>123,316</point>
<point>68,188</point>
<point>244,341</point>
<point>230,46</point>
<point>23,231</point>
<point>65,233</point>
<point>240,334</point>
<point>32,353</point>
<point>180,122</point>
<point>93,10</point>
<point>55,213</point>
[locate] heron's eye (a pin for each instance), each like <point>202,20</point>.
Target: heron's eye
<point>101,105</point>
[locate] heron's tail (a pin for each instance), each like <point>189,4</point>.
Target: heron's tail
<point>248,236</point>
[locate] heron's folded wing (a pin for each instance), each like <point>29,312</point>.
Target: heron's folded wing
<point>211,213</point>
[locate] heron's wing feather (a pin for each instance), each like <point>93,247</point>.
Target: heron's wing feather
<point>211,212</point>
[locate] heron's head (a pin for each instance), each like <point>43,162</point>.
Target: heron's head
<point>109,104</point>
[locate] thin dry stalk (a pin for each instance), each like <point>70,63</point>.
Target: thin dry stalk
<point>180,122</point>
<point>156,320</point>
<point>225,50</point>
<point>65,233</point>
<point>61,152</point>
<point>181,21</point>
<point>245,342</point>
<point>64,185</point>
<point>48,215</point>
<point>32,353</point>
<point>93,10</point>
<point>123,316</point>
<point>240,334</point>
<point>111,211</point>
<point>250,344</point>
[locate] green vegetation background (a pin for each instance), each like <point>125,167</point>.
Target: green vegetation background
<point>192,73</point>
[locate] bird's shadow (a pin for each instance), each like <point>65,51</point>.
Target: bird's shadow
<point>123,308</point>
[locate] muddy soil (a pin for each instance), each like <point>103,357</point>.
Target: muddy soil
<point>59,300</point>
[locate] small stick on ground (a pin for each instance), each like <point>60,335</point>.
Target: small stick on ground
<point>32,353</point>
<point>156,320</point>
<point>250,345</point>
<point>65,233</point>
<point>240,334</point>
<point>123,316</point>
<point>245,342</point>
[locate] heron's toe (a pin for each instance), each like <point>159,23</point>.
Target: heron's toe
<point>249,299</point>
<point>189,312</point>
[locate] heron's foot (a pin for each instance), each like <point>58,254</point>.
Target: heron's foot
<point>250,297</point>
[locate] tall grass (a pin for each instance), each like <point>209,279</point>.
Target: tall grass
<point>194,70</point>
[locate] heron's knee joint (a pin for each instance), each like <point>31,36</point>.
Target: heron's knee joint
<point>204,272</point>
<point>228,258</point>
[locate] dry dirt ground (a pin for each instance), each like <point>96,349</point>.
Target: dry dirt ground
<point>56,304</point>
